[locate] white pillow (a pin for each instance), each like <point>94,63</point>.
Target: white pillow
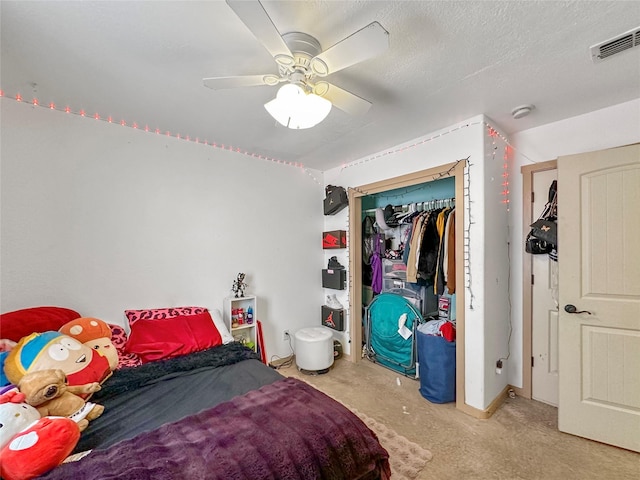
<point>219,323</point>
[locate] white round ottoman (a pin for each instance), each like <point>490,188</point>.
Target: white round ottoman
<point>314,349</point>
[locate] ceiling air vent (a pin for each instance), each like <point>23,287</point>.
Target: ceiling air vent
<point>606,49</point>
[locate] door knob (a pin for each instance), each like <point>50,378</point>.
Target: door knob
<point>572,309</point>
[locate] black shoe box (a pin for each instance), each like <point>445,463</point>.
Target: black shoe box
<point>336,279</point>
<point>333,318</point>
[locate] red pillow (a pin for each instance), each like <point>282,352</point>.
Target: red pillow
<point>159,313</point>
<point>18,324</point>
<point>170,337</point>
<point>119,340</point>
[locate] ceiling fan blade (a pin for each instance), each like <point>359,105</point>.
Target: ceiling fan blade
<point>342,99</point>
<point>364,44</point>
<point>220,83</point>
<point>255,17</point>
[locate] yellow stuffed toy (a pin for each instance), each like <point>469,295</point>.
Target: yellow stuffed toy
<point>47,390</point>
<point>53,350</point>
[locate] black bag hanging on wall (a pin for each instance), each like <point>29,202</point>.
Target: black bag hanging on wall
<point>335,200</point>
<point>543,237</point>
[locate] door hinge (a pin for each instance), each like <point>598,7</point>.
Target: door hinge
<point>532,279</point>
<point>533,196</point>
<point>532,361</point>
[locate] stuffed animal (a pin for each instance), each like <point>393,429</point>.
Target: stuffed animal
<point>42,446</point>
<point>15,415</point>
<point>95,334</point>
<point>47,390</point>
<point>30,445</point>
<point>6,346</point>
<point>53,350</point>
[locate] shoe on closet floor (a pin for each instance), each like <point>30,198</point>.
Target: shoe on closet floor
<point>332,302</point>
<point>334,264</point>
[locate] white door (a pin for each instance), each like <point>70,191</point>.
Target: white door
<point>599,260</point>
<point>544,308</point>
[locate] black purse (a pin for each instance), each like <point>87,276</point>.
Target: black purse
<point>543,237</point>
<point>545,229</point>
<point>535,246</point>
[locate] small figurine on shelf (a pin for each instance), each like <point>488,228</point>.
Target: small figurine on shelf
<point>239,286</point>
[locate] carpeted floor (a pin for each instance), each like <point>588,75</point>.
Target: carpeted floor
<point>521,441</point>
<point>407,459</point>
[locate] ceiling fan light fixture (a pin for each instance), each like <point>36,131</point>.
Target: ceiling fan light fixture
<point>296,109</point>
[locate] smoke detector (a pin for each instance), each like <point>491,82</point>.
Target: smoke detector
<point>615,45</point>
<point>522,111</point>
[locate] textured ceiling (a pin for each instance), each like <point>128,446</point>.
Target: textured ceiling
<point>143,61</point>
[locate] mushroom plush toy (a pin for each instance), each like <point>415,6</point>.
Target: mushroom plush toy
<point>95,334</point>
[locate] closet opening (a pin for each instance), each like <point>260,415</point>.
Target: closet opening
<point>432,188</point>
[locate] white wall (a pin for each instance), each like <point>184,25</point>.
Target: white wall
<point>101,218</point>
<point>495,296</point>
<point>484,323</point>
<point>607,128</point>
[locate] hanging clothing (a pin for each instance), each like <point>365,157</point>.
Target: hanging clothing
<point>450,260</point>
<point>428,261</point>
<point>368,232</point>
<point>376,263</point>
<point>439,283</point>
<point>412,259</point>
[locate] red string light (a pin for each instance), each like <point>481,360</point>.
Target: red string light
<point>157,131</point>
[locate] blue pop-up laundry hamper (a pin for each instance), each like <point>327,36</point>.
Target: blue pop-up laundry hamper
<point>437,368</point>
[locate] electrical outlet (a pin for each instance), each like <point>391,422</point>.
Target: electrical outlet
<point>285,335</point>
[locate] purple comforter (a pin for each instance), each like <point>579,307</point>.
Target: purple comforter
<point>284,430</point>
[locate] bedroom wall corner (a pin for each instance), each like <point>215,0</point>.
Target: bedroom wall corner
<point>498,322</point>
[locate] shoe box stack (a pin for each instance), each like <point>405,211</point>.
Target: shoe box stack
<point>334,277</point>
<point>333,313</point>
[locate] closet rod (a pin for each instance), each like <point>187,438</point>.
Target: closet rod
<point>423,206</point>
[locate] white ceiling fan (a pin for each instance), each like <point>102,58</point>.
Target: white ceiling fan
<point>302,66</point>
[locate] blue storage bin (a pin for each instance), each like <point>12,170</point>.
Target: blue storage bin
<point>437,368</point>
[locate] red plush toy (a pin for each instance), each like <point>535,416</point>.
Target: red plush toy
<point>39,448</point>
<point>95,334</point>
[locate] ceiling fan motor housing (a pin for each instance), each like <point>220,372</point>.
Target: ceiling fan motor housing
<point>304,49</point>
